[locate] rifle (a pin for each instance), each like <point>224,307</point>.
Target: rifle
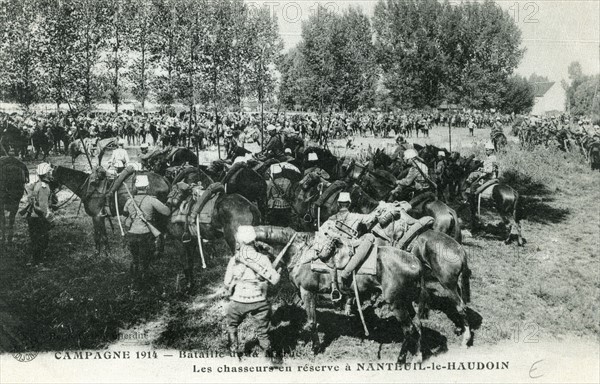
<point>152,228</point>
<point>283,251</point>
<point>427,179</point>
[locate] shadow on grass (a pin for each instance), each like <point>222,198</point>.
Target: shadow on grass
<point>333,325</point>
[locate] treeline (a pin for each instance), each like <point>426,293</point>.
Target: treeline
<point>412,53</point>
<point>583,92</point>
<point>80,52</point>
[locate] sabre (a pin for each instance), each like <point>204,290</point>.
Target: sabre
<point>359,307</point>
<point>200,242</point>
<point>118,215</point>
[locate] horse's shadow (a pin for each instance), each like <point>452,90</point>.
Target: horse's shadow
<point>383,330</point>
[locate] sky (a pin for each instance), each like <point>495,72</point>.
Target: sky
<point>554,32</point>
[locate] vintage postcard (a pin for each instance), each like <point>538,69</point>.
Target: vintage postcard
<point>299,191</point>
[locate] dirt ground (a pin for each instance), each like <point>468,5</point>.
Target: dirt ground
<point>538,299</point>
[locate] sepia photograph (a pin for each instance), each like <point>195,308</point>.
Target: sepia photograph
<point>221,191</point>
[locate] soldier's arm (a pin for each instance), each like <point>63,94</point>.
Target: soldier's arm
<point>160,207</point>
<point>409,179</point>
<point>228,281</point>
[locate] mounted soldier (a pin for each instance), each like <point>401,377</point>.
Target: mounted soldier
<point>416,180</point>
<point>403,145</point>
<point>440,173</point>
<point>247,278</point>
<point>488,172</point>
<point>274,148</point>
<point>344,227</point>
<point>40,217</point>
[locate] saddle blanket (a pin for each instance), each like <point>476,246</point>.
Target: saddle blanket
<point>368,267</point>
<point>205,215</point>
<point>484,190</point>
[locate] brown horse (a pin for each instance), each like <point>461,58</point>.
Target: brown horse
<point>13,177</point>
<point>445,218</point>
<point>398,281</point>
<point>506,202</point>
<point>445,261</point>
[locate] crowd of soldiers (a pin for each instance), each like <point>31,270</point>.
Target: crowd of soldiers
<point>56,130</point>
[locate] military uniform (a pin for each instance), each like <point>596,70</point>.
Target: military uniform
<point>140,240</point>
<point>274,148</point>
<point>278,191</point>
<point>247,278</point>
<point>40,219</point>
<point>485,173</point>
<point>414,181</point>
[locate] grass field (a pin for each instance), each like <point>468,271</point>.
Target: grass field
<point>544,291</point>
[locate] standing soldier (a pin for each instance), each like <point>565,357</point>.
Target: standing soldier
<point>247,278</point>
<point>471,127</point>
<point>278,189</point>
<point>142,210</point>
<point>40,217</point>
<point>120,157</point>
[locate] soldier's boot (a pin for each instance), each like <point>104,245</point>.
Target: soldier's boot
<point>360,254</point>
<point>234,344</point>
<point>336,295</point>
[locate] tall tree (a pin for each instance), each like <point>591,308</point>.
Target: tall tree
<point>517,96</point>
<point>21,74</point>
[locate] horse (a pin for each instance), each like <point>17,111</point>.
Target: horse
<point>499,140</point>
<point>77,147</point>
<point>241,179</point>
<point>230,211</point>
<point>377,183</point>
<point>506,201</point>
<point>172,157</point>
<point>41,142</point>
<point>13,177</point>
<point>15,139</point>
<point>444,261</point>
<point>398,281</point>
<point>445,218</point>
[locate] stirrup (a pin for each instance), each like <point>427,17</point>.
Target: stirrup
<point>335,298</point>
<point>186,238</point>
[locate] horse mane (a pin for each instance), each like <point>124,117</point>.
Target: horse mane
<point>361,199</point>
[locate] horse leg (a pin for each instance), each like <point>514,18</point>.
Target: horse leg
<point>402,314</point>
<point>461,308</point>
<point>310,306</point>
<point>11,224</point>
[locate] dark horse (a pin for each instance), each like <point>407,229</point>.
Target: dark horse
<point>41,142</point>
<point>13,138</point>
<point>506,201</point>
<point>398,281</point>
<point>13,177</point>
<point>230,211</point>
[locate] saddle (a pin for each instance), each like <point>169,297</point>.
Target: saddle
<point>335,187</point>
<point>486,185</point>
<point>204,203</point>
<point>423,224</point>
<point>342,257</point>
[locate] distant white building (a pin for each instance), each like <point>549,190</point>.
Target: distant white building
<point>550,98</point>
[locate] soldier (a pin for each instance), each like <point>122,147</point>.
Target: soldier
<point>119,157</point>
<point>487,172</point>
<point>40,217</point>
<point>247,278</point>
<point>345,227</point>
<point>278,190</point>
<point>415,181</point>
<point>472,127</point>
<point>403,145</point>
<point>440,171</point>
<point>274,148</point>
<point>140,238</point>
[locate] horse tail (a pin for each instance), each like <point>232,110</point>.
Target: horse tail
<point>456,226</point>
<point>465,278</point>
<point>423,299</point>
